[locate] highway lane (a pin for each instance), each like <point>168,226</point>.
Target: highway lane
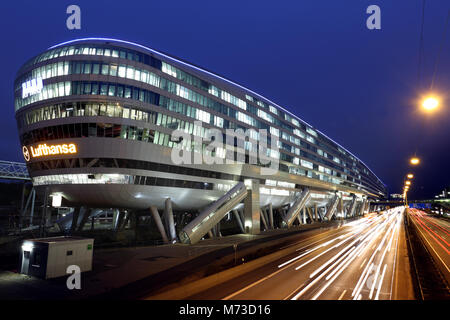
<point>435,234</point>
<point>355,261</point>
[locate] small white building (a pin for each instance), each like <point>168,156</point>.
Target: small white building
<point>49,257</point>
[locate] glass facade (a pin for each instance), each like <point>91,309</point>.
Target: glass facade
<point>157,81</point>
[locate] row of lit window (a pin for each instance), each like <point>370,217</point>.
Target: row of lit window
<point>93,109</point>
<point>64,68</point>
<point>96,51</point>
<point>202,115</point>
<point>114,110</point>
<point>84,109</point>
<point>143,95</point>
<point>130,72</point>
<point>203,85</point>
<point>139,134</point>
<point>136,56</point>
<point>114,178</point>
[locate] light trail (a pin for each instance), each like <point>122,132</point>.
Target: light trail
<point>369,240</point>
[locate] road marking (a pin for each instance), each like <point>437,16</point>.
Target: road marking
<point>342,295</point>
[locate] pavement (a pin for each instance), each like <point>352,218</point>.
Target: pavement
<point>122,272</point>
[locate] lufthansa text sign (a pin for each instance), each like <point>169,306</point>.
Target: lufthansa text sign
<point>43,150</point>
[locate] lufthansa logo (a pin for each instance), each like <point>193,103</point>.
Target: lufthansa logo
<point>26,153</point>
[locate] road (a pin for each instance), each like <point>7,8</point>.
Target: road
<point>435,234</point>
<point>355,261</point>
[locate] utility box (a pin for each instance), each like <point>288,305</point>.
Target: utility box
<point>49,257</point>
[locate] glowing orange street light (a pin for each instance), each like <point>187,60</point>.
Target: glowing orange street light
<point>408,182</point>
<point>414,161</point>
<point>430,104</point>
<point>410,176</point>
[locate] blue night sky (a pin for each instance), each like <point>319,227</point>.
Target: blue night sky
<point>314,57</point>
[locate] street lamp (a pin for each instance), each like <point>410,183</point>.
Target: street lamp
<point>414,161</point>
<point>407,182</point>
<point>430,103</point>
<point>410,176</point>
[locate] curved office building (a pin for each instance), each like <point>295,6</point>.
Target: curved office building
<point>96,119</point>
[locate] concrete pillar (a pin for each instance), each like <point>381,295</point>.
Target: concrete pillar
<point>271,216</point>
<point>210,234</point>
<point>316,212</point>
<point>219,234</point>
<point>169,216</point>
<point>32,207</point>
<point>310,214</point>
<point>75,215</point>
<point>351,208</point>
<point>214,231</point>
<point>304,214</point>
<point>116,216</point>
<point>159,223</point>
<point>86,213</point>
<point>239,221</point>
<point>125,219</point>
<point>92,221</point>
<point>251,207</point>
<point>263,218</point>
<point>322,211</point>
<point>241,214</point>
<point>341,208</point>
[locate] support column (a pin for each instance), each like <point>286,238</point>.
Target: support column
<point>310,214</point>
<point>316,212</point>
<point>252,208</point>
<point>263,218</point>
<point>169,215</point>
<point>86,214</point>
<point>304,214</point>
<point>219,234</point>
<point>239,221</point>
<point>159,223</point>
<point>76,213</point>
<point>351,208</point>
<point>92,222</point>
<point>271,216</point>
<point>32,207</point>
<point>116,215</point>
<point>125,220</point>
<point>241,214</point>
<point>341,208</point>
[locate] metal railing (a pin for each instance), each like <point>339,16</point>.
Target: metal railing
<point>13,170</point>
